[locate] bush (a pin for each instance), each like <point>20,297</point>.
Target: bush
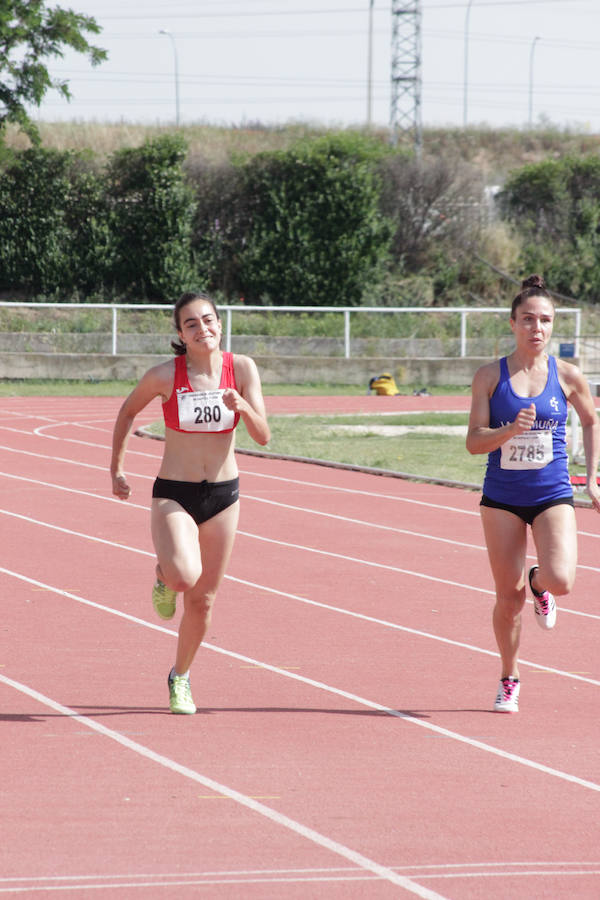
<point>152,209</point>
<point>314,231</point>
<point>429,202</point>
<point>220,226</point>
<point>54,235</point>
<point>555,207</point>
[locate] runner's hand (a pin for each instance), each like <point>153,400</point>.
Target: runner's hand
<point>594,494</point>
<point>525,419</point>
<point>233,400</point>
<point>120,487</point>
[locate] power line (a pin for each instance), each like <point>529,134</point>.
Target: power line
<point>157,101</point>
<point>228,34</point>
<point>451,87</point>
<point>495,3</point>
<point>151,78</point>
<point>220,15</point>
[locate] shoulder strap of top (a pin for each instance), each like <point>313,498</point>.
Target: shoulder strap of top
<point>553,377</point>
<point>228,371</point>
<point>181,376</point>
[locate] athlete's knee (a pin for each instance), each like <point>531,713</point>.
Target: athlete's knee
<point>557,580</point>
<point>180,578</point>
<point>509,603</point>
<point>199,604</point>
<point>203,600</point>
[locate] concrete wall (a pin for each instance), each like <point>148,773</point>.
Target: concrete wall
<point>273,369</point>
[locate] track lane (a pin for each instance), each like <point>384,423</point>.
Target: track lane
<point>264,618</point>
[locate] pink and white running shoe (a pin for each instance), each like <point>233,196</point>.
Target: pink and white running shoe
<point>544,605</point>
<point>507,698</point>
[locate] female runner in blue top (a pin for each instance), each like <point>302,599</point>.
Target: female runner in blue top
<point>195,504</point>
<point>518,417</point>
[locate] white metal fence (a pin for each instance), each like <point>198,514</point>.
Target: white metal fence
<point>345,313</point>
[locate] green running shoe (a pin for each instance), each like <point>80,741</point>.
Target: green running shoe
<point>180,695</point>
<point>164,600</point>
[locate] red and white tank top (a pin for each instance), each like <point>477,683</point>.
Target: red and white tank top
<point>201,412</point>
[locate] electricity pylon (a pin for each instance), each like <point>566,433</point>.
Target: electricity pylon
<point>405,113</point>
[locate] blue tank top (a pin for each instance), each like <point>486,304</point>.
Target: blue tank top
<point>531,468</point>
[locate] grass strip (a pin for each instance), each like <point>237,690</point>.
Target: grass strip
<point>436,455</point>
<point>43,387</point>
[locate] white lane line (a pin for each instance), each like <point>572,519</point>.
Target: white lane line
<point>107,498</point>
<point>378,525</point>
<point>304,510</point>
<point>536,873</point>
<point>472,648</point>
<point>129,882</point>
<point>321,840</point>
<point>39,430</point>
<point>249,472</point>
<point>321,686</point>
<point>154,882</point>
<point>288,481</point>
<point>397,569</point>
<point>331,873</point>
<point>336,609</point>
<point>71,461</point>
<point>286,544</point>
<point>366,562</point>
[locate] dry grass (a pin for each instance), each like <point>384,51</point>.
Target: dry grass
<point>493,151</point>
<point>212,143</point>
<point>496,151</point>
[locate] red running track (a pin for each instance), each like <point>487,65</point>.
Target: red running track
<point>344,745</point>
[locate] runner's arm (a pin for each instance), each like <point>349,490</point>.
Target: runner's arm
<point>248,400</point>
<point>579,395</point>
<point>149,387</point>
<point>480,437</point>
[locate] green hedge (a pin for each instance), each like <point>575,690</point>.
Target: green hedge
<point>69,229</point>
<point>555,207</point>
<point>54,234</point>
<point>151,214</point>
<point>339,220</point>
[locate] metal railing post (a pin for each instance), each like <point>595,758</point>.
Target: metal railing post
<point>228,330</point>
<point>346,334</point>
<point>463,333</point>
<point>114,331</point>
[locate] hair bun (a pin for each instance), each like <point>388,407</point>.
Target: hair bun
<point>534,281</point>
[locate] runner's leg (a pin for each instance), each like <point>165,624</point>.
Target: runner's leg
<point>555,536</point>
<point>506,540</point>
<point>216,538</point>
<point>175,538</point>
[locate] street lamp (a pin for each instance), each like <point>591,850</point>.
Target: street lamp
<point>533,43</point>
<point>370,66</point>
<point>175,60</point>
<point>466,64</point>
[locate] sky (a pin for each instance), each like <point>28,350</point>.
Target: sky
<point>500,63</point>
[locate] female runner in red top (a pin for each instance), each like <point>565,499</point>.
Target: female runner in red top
<point>195,505</point>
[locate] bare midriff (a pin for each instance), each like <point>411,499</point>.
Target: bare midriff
<point>198,457</point>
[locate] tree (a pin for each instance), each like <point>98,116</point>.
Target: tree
<point>31,33</point>
<point>431,203</point>
<point>555,208</point>
<point>152,215</point>
<point>54,233</point>
<point>315,234</point>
